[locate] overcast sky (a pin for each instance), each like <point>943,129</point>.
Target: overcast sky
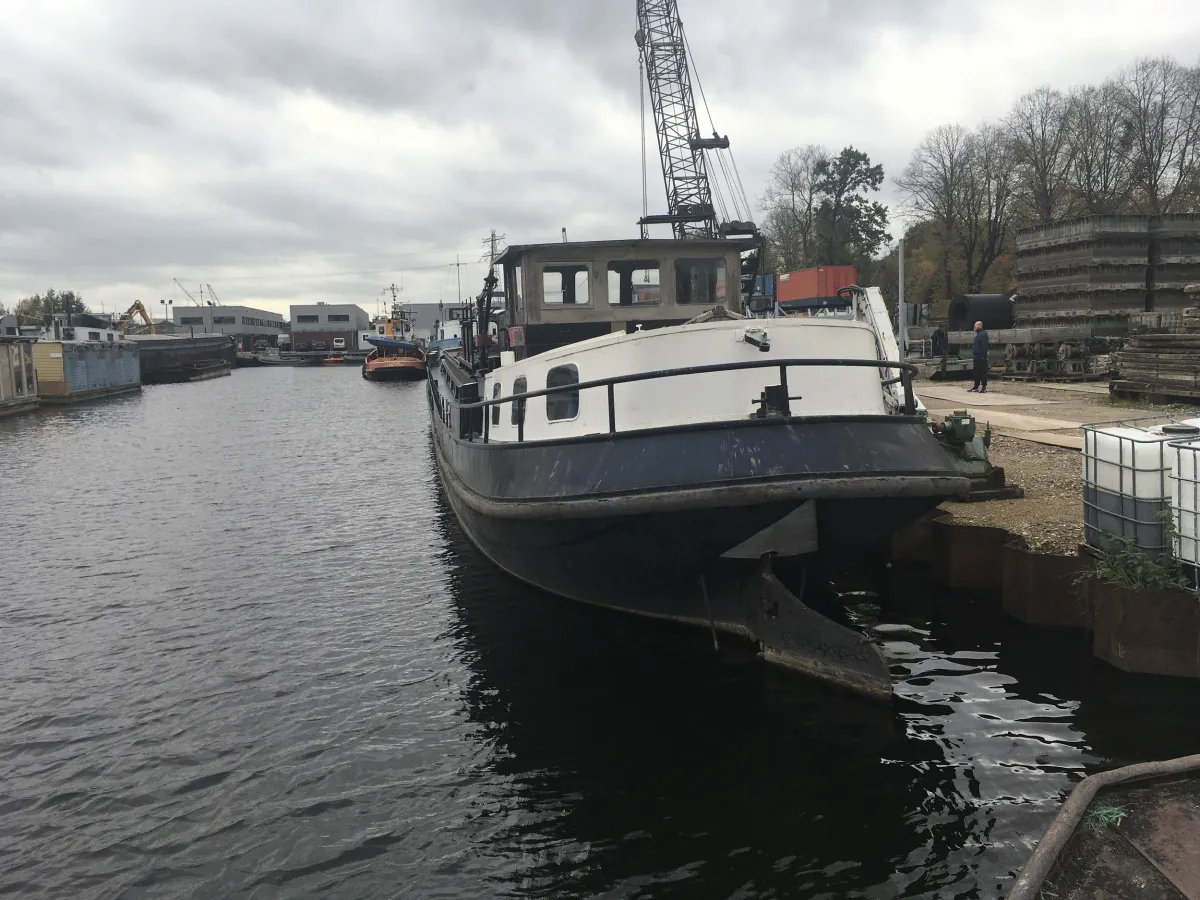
<point>292,150</point>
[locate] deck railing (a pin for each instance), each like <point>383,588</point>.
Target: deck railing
<point>774,399</point>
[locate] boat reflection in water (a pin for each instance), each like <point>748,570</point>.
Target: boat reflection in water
<point>636,756</point>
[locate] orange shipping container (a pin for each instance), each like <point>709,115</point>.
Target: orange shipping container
<point>818,282</point>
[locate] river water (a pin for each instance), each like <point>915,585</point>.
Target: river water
<point>246,652</point>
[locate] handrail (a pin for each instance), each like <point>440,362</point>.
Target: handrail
<point>907,370</point>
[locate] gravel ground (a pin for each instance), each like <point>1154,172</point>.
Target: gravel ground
<point>1050,515</point>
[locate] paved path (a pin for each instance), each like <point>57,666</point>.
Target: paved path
<point>988,409</point>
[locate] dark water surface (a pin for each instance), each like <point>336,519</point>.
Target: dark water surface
<point>246,652</point>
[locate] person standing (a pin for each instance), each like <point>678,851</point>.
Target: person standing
<point>979,350</point>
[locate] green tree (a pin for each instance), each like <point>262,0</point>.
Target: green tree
<point>42,307</point>
<point>851,226</point>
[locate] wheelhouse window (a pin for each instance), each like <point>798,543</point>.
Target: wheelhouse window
<point>564,285</point>
<point>518,406</point>
<point>563,404</point>
<point>633,282</point>
<point>699,281</point>
<point>496,409</point>
<point>513,301</point>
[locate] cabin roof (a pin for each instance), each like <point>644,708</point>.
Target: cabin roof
<point>598,248</point>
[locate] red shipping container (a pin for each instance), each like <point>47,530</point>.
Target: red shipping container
<point>818,282</point>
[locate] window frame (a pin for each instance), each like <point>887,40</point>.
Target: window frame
<point>614,266</point>
<point>520,386</point>
<point>495,410</point>
<point>556,397</point>
<point>679,282</point>
<point>551,267</point>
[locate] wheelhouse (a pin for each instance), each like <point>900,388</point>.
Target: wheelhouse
<point>563,293</point>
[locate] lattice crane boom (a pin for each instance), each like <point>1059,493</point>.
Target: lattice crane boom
<point>681,148</point>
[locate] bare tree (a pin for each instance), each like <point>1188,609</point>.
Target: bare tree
<point>986,202</point>
<point>791,205</point>
<point>1038,125</point>
<point>933,184</point>
<point>1161,136</point>
<point>1099,175</point>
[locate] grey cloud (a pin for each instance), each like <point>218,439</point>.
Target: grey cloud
<point>142,140</point>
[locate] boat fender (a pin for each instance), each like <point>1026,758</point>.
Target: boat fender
<point>757,337</point>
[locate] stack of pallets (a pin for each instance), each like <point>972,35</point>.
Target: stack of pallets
<point>1165,366</point>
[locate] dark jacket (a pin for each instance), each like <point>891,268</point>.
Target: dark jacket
<point>979,344</point>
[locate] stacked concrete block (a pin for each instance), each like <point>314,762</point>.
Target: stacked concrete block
<point>1174,260</point>
<point>1093,269</point>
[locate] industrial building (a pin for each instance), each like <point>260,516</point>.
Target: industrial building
<point>326,322</point>
<point>231,320</point>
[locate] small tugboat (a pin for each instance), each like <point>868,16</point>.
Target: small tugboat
<point>397,354</point>
<point>394,360</point>
<point>634,443</point>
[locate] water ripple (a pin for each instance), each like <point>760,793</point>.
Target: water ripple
<point>267,664</point>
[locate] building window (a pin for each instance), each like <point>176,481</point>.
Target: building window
<point>565,285</point>
<point>93,335</point>
<point>191,320</point>
<point>564,404</point>
<point>110,337</point>
<point>633,282</point>
<point>224,320</point>
<point>699,281</point>
<point>496,409</point>
<point>308,319</point>
<point>338,318</point>
<point>518,406</point>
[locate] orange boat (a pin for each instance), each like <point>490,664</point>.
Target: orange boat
<point>333,361</point>
<point>394,360</point>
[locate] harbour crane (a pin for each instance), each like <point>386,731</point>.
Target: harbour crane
<point>195,302</point>
<point>698,206</point>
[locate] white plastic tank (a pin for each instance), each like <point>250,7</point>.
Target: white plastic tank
<point>1128,460</point>
<point>1127,484</point>
<point>1185,500</point>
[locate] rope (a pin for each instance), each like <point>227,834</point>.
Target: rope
<point>733,180</point>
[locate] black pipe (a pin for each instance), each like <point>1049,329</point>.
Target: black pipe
<point>995,311</point>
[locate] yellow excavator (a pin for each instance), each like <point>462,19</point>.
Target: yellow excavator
<point>126,323</point>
